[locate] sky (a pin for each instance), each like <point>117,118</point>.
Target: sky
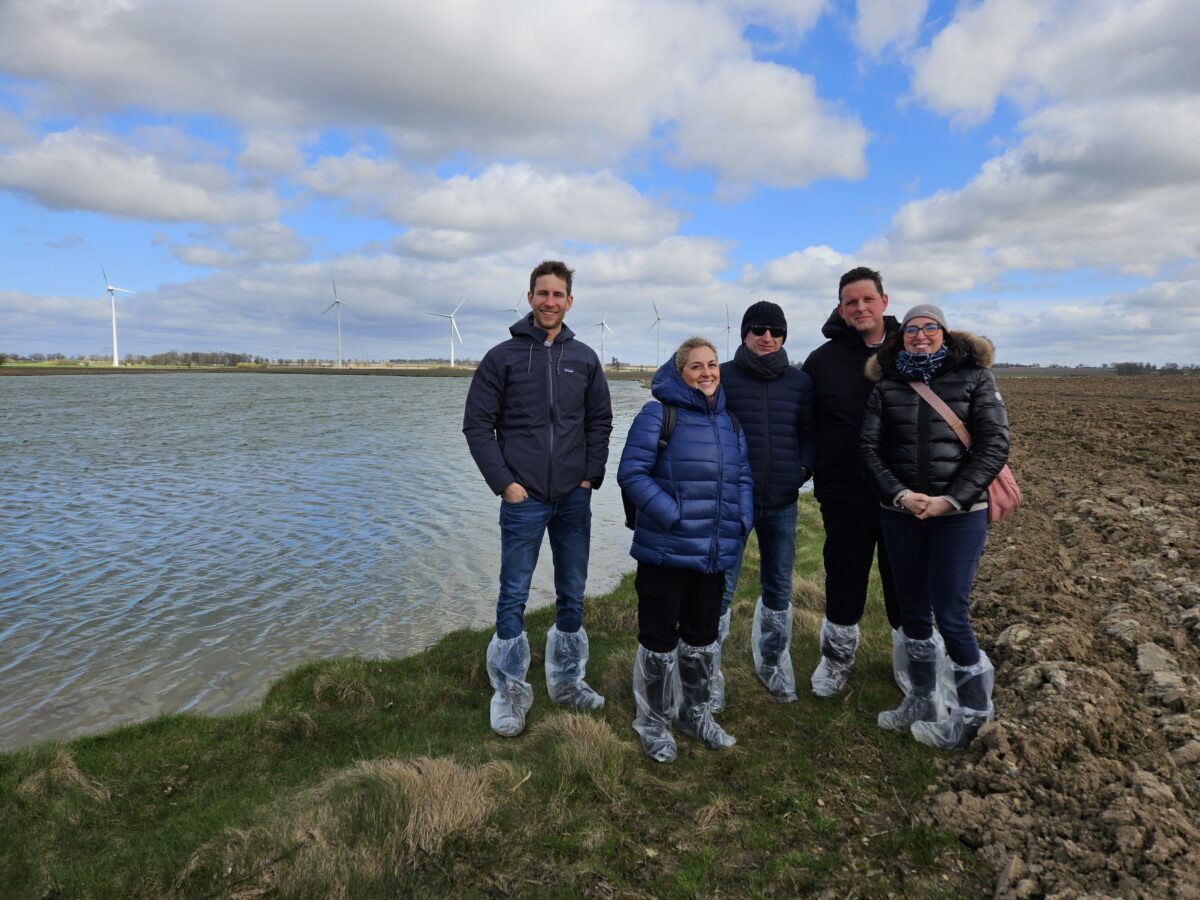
<point>1029,165</point>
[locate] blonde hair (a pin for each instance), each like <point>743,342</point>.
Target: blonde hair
<point>687,347</point>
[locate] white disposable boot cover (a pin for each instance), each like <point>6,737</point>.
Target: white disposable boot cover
<point>655,689</point>
<point>972,709</point>
<point>922,660</point>
<point>695,680</point>
<point>716,701</point>
<point>771,647</point>
<point>566,666</point>
<point>944,695</point>
<point>507,665</point>
<point>839,643</point>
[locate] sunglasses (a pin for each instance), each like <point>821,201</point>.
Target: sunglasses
<point>930,328</point>
<point>760,330</point>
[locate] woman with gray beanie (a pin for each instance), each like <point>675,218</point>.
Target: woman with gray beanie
<point>933,496</point>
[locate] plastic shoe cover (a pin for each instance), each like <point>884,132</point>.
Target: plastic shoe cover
<point>944,695</point>
<point>695,678</point>
<point>839,643</point>
<point>716,697</point>
<point>922,658</point>
<point>507,665</point>
<point>771,647</point>
<point>654,679</point>
<point>973,708</point>
<point>566,664</point>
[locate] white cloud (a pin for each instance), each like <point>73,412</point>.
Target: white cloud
<point>80,169</point>
<point>598,85</point>
<point>273,152</point>
<point>764,123</point>
<point>880,24</point>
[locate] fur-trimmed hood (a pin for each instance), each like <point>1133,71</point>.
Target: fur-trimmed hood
<point>961,347</point>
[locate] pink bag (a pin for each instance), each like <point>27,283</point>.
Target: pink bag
<point>1004,496</point>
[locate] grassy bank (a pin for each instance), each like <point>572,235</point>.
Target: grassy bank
<point>369,778</point>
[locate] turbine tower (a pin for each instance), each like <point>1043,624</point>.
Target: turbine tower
<point>112,296</point>
<point>602,325</point>
<point>728,328</point>
<point>338,312</point>
<point>657,324</point>
<point>453,327</point>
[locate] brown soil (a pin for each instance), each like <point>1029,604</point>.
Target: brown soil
<point>1088,600</point>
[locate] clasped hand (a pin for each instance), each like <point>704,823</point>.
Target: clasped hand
<point>924,506</point>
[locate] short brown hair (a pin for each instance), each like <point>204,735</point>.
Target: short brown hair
<point>554,267</point>
<point>687,347</point>
<point>862,273</point>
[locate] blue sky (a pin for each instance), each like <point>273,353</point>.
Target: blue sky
<point>1028,165</point>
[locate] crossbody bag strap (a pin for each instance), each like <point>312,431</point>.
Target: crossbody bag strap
<point>926,392</point>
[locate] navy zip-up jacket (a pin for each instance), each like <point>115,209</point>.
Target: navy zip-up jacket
<point>694,499</point>
<point>777,416</point>
<point>539,414</point>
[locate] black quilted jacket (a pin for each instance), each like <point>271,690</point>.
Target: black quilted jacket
<point>905,443</point>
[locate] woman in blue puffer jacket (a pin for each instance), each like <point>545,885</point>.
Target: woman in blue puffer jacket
<point>695,507</point>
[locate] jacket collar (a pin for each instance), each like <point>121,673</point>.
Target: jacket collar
<point>961,347</point>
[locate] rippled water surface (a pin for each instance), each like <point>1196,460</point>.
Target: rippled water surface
<point>174,542</point>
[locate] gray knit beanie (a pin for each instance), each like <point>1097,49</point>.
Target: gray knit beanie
<point>929,311</point>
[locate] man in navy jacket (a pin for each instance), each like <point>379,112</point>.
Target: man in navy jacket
<point>849,507</point>
<point>773,403</point>
<point>537,421</point>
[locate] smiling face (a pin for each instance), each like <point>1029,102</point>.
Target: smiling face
<point>861,307</point>
<point>700,371</point>
<point>550,301</point>
<point>922,342</point>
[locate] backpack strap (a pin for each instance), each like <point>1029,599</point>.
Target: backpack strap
<point>668,426</point>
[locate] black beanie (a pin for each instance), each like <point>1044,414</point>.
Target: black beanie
<point>764,312</point>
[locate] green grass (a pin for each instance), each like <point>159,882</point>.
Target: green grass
<point>369,778</point>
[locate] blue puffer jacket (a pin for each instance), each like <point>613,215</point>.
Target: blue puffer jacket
<point>695,500</point>
<point>775,408</point>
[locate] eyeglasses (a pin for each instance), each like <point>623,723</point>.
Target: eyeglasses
<point>930,328</point>
<point>760,330</point>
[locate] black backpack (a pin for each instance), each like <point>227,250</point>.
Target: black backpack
<point>664,438</point>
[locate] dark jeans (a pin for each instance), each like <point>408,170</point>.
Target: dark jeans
<point>675,605</point>
<point>852,534</point>
<point>522,526</point>
<point>776,530</point>
<point>934,562</point>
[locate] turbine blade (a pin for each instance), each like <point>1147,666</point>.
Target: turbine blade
<point>327,309</point>
<point>106,281</point>
<point>656,312</point>
<point>439,315</point>
<point>122,290</point>
<point>454,325</point>
<point>609,327</point>
<point>334,283</point>
<point>460,305</point>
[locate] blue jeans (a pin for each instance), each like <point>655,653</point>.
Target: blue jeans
<point>933,562</point>
<point>776,530</point>
<point>522,526</point>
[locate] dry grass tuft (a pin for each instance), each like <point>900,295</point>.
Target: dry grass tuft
<point>361,826</point>
<point>716,816</point>
<point>616,681</point>
<point>295,726</point>
<point>59,773</point>
<point>587,745</point>
<point>342,684</point>
<point>807,595</point>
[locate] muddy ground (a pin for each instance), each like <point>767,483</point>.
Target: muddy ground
<point>1088,783</point>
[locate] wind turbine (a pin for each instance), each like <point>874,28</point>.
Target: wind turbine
<point>112,296</point>
<point>603,324</point>
<point>453,327</point>
<point>658,335</point>
<point>515,309</point>
<point>338,304</point>
<point>728,328</point>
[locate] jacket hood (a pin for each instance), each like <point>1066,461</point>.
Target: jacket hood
<point>668,386</point>
<point>961,346</point>
<point>524,327</point>
<point>835,329</point>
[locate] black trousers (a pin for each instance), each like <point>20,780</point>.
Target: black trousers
<point>677,604</point>
<point>852,535</point>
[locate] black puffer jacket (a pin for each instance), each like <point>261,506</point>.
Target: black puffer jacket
<point>905,443</point>
<point>775,411</point>
<point>840,392</point>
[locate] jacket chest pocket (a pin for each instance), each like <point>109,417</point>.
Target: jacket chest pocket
<point>571,385</point>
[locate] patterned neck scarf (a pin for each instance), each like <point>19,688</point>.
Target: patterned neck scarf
<point>920,365</point>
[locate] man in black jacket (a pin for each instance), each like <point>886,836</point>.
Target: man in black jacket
<point>537,421</point>
<point>849,508</point>
<point>773,403</point>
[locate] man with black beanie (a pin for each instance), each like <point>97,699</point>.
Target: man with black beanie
<point>773,403</point>
<point>849,507</point>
